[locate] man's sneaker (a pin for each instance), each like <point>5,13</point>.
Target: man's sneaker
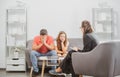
<point>34,73</point>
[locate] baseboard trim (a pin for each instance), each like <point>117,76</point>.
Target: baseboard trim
<point>2,69</point>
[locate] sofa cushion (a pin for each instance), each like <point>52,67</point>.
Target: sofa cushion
<point>29,44</point>
<point>75,42</point>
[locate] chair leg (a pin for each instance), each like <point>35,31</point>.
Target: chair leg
<point>80,75</point>
<point>31,70</point>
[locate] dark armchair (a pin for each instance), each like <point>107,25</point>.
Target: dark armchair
<point>102,61</point>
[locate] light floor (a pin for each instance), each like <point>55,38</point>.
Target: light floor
<point>3,73</point>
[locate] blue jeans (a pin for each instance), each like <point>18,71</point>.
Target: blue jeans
<point>34,58</point>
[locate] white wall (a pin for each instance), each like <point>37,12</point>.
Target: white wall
<point>2,35</point>
<point>55,15</point>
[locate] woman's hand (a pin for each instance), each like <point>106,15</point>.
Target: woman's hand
<point>75,48</point>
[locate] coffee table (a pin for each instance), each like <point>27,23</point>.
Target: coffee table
<point>46,61</point>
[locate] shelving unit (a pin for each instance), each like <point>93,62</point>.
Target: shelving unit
<point>16,35</point>
<point>103,23</point>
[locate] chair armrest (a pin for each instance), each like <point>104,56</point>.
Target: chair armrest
<point>27,54</point>
<point>84,63</point>
<point>100,62</point>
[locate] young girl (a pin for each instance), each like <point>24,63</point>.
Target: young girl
<point>61,44</point>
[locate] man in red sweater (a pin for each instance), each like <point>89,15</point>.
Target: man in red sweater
<point>43,45</point>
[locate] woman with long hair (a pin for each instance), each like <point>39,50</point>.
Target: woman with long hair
<point>89,42</point>
<point>61,44</point>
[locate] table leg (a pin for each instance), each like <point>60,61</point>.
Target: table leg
<point>43,67</point>
<point>31,71</point>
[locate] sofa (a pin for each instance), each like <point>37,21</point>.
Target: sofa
<point>72,42</point>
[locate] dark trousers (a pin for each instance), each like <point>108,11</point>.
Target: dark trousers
<point>66,64</point>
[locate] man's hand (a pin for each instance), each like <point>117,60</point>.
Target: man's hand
<point>36,47</point>
<point>44,40</point>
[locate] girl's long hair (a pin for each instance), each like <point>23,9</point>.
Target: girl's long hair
<point>59,41</point>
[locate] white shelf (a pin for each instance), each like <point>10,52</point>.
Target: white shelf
<point>16,39</point>
<point>102,22</point>
<point>103,32</point>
